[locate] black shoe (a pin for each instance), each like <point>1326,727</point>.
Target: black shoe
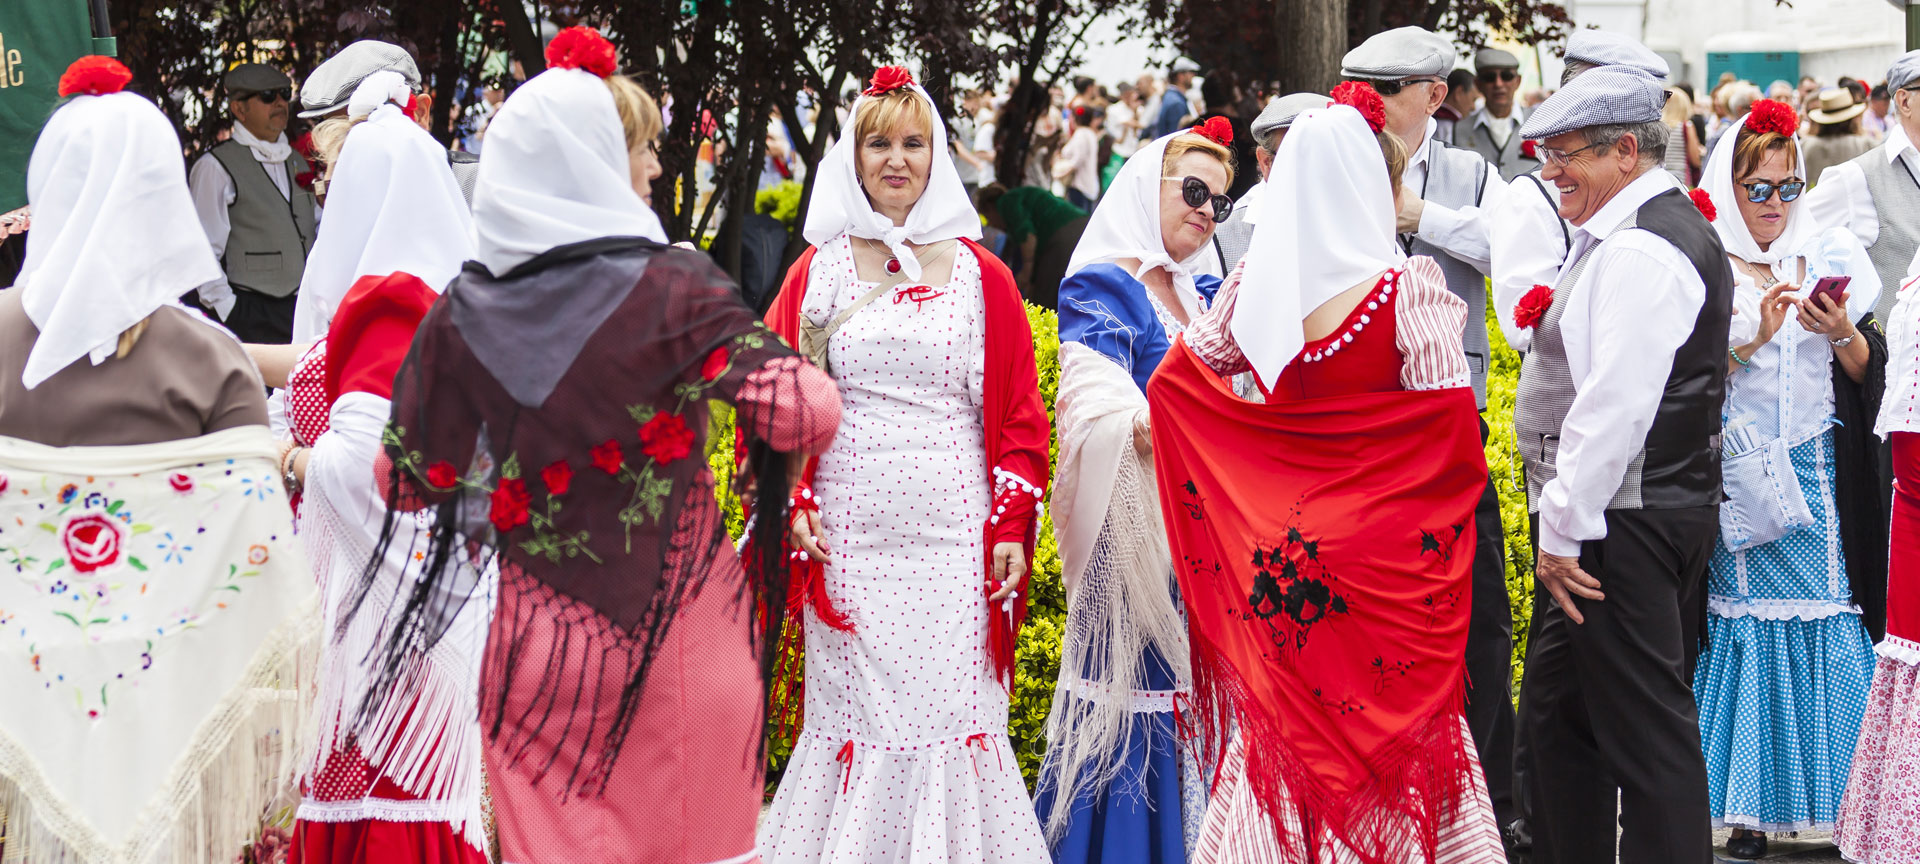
<point>1518,839</point>
<point>1751,847</point>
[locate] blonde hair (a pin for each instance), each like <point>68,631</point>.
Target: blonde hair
<point>1395,152</point>
<point>640,116</point>
<point>895,109</point>
<point>330,137</point>
<point>130,336</point>
<point>1181,145</point>
<point>1678,107</point>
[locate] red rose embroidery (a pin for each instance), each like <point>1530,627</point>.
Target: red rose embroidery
<point>509,505</point>
<point>558,477</point>
<point>607,457</point>
<point>887,79</point>
<point>180,482</point>
<point>1363,98</point>
<point>441,475</point>
<point>716,364</point>
<point>92,541</point>
<point>666,438</point>
<point>1219,130</point>
<point>1705,202</point>
<point>1769,115</point>
<point>1533,306</point>
<point>1530,149</point>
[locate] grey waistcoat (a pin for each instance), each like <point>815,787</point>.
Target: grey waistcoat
<point>1472,134</point>
<point>1679,464</point>
<point>268,236</point>
<point>1234,236</point>
<point>1896,201</point>
<point>1455,178</point>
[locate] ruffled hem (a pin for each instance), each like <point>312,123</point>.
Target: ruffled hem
<point>1899,650</point>
<point>1752,823</point>
<point>381,842</point>
<point>1778,610</point>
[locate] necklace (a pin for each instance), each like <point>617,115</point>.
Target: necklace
<point>893,261</point>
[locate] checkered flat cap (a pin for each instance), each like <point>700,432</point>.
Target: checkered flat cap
<point>1281,110</point>
<point>1403,52</point>
<point>1904,73</point>
<point>331,84</point>
<point>1600,48</point>
<point>1607,96</point>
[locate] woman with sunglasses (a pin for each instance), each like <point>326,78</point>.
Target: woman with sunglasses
<point>1803,535</point>
<point>1112,786</point>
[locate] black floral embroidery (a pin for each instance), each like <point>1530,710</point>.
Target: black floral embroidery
<point>1290,580</point>
<point>1195,505</point>
<point>1384,672</point>
<point>1441,542</point>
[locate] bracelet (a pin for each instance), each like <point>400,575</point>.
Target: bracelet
<point>1735,354</point>
<point>286,470</point>
<point>1845,341</point>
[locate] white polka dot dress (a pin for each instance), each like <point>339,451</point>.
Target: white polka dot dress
<point>903,754</point>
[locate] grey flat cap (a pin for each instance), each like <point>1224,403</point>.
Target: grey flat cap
<point>1494,58</point>
<point>1605,96</point>
<point>1904,72</point>
<point>249,78</point>
<point>1281,110</point>
<point>1403,52</point>
<point>332,83</point>
<point>1600,48</point>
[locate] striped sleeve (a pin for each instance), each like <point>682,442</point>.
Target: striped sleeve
<point>1428,328</point>
<point>1209,335</point>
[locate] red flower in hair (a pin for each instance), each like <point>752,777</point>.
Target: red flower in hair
<point>1532,306</point>
<point>1219,130</point>
<point>508,508</point>
<point>1705,202</point>
<point>94,76</point>
<point>1770,115</point>
<point>1361,96</point>
<point>1530,149</point>
<point>582,48</point>
<point>887,79</point>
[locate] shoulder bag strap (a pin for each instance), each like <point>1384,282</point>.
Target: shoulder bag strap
<point>813,337</point>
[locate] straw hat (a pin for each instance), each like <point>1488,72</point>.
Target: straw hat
<point>1836,106</point>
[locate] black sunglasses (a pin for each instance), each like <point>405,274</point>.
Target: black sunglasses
<point>1194,191</point>
<point>1759,192</point>
<point>277,94</point>
<point>1393,87</point>
<point>1492,75</point>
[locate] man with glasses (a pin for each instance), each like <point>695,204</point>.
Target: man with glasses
<point>1492,130</point>
<point>253,194</point>
<point>1618,421</point>
<point>1876,195</point>
<point>332,83</point>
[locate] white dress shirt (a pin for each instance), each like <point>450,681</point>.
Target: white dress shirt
<point>1458,231</point>
<point>1900,407</point>
<point>1637,301</point>
<point>1842,197</point>
<point>213,192</point>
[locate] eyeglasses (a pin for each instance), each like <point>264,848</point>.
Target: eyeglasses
<point>1560,158</point>
<point>1760,190</point>
<point>277,94</point>
<point>1492,75</point>
<point>1393,87</point>
<point>1194,191</point>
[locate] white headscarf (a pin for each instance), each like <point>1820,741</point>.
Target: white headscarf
<point>392,207</point>
<point>1327,224</point>
<point>1739,242</point>
<point>555,172</point>
<point>114,233</point>
<point>841,207</point>
<point>1126,224</point>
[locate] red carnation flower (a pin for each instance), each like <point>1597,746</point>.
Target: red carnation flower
<point>558,477</point>
<point>607,456</point>
<point>1533,306</point>
<point>666,438</point>
<point>1769,115</point>
<point>1361,97</point>
<point>716,364</point>
<point>1219,130</point>
<point>441,475</point>
<point>1705,202</point>
<point>887,79</point>
<point>509,505</point>
<point>94,76</point>
<point>1530,149</point>
<point>582,48</point>
<point>305,180</point>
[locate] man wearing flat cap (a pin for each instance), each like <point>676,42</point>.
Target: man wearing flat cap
<point>1493,130</point>
<point>1234,235</point>
<point>1876,195</point>
<point>1618,421</point>
<point>332,83</point>
<point>1444,196</point>
<point>253,194</point>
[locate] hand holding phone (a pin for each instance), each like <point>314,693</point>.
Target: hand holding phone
<point>1830,287</point>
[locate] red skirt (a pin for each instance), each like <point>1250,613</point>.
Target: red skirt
<point>370,842</point>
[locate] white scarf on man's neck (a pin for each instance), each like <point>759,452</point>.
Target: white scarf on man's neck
<point>271,152</point>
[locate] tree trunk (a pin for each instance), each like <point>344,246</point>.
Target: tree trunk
<point>447,77</point>
<point>522,39</point>
<point>1313,38</point>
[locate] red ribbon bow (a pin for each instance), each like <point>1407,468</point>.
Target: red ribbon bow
<point>979,739</point>
<point>919,294</point>
<point>845,755</point>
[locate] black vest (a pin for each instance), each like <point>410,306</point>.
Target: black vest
<point>1682,466</point>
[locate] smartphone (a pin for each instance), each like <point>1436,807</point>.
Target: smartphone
<point>1831,286</point>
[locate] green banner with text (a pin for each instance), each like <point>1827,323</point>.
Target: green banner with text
<point>38,38</point>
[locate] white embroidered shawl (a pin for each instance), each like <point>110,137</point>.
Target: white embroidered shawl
<point>152,632</point>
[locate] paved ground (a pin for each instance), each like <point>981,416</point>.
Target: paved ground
<point>1809,846</point>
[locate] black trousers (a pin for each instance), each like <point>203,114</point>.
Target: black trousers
<point>1490,654</point>
<point>1609,708</point>
<point>260,319</point>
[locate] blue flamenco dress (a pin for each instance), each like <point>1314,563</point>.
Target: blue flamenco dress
<point>1150,811</point>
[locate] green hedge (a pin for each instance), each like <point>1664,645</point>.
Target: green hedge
<point>1039,650</point>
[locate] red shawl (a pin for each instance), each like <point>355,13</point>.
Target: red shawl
<point>1325,550</point>
<point>1017,433</point>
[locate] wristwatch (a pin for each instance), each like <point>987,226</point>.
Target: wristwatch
<point>1844,342</point>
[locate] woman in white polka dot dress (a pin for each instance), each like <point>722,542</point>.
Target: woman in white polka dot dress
<point>913,531</point>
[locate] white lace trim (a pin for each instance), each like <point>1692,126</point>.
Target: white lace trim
<point>1753,824</point>
<point>1778,610</point>
<point>1139,701</point>
<point>387,810</point>
<point>1899,650</point>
